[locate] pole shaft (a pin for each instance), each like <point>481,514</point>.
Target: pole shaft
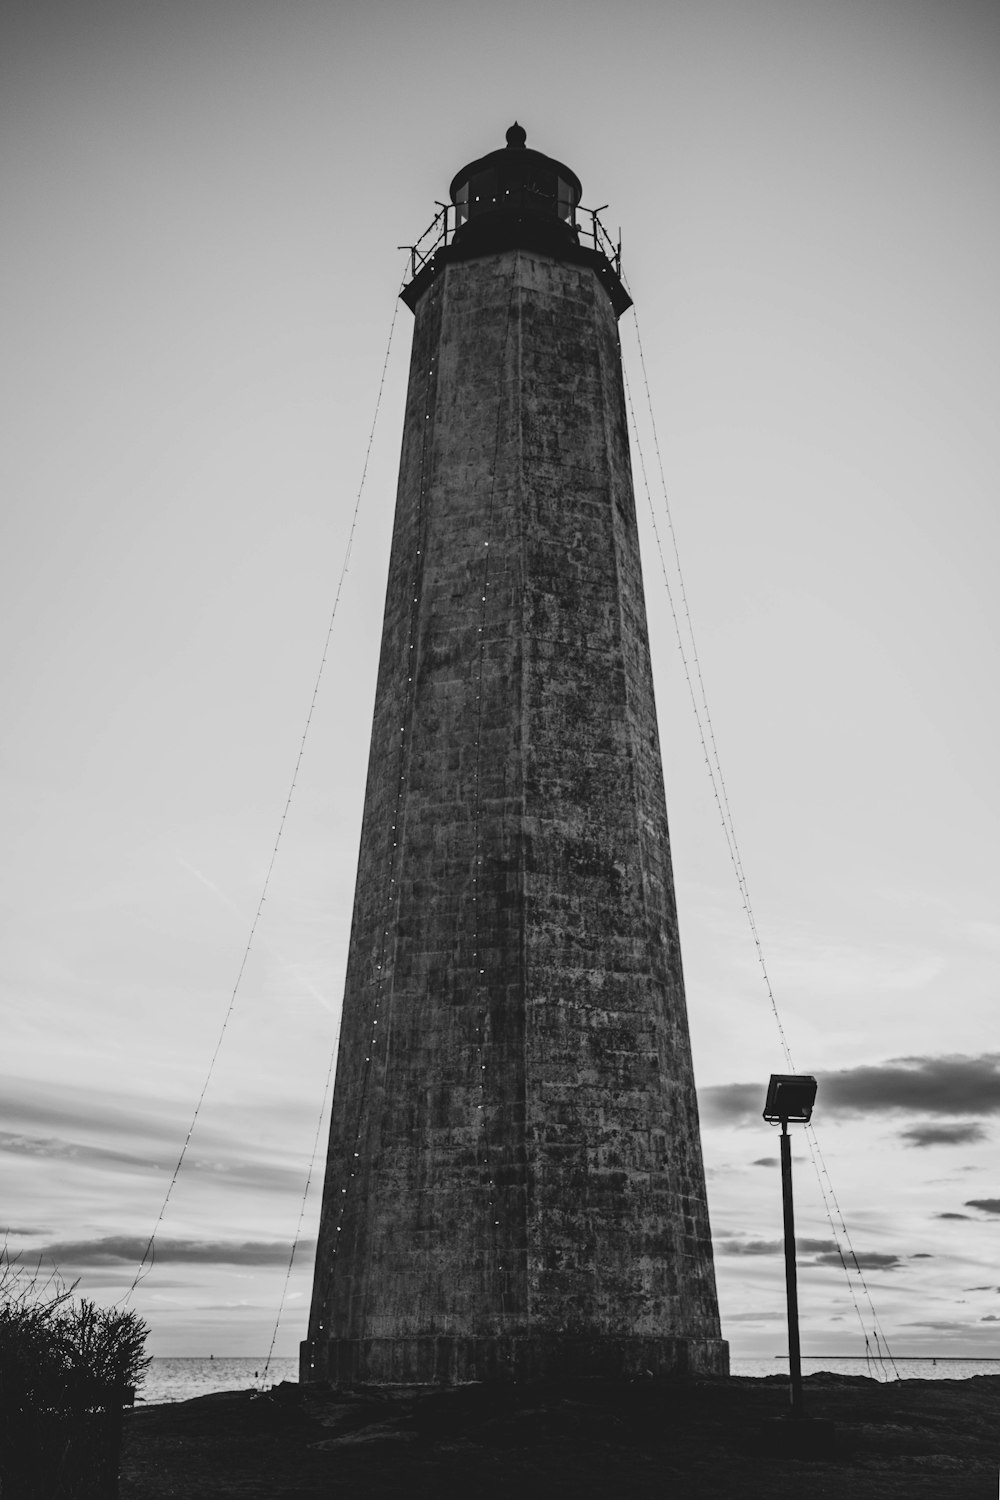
<point>791,1286</point>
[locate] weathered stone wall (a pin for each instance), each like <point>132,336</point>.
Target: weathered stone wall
<point>515,1166</point>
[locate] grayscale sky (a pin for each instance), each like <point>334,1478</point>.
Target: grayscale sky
<point>203,203</point>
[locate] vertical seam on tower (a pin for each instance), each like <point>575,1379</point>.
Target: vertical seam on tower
<point>659,979</point>
<point>522,501</point>
<point>616,562</point>
<point>482,986</point>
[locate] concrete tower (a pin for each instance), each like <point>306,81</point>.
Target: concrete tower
<point>514,1184</point>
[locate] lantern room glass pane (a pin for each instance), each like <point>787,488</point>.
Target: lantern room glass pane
<point>482,192</point>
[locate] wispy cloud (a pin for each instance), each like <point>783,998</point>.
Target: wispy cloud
<point>947,1085</point>
<point>943,1134</point>
<point>731,1103</point>
<point>823,1252</point>
<point>261,942</point>
<point>52,1148</point>
<point>754,1317</point>
<point>987,1205</point>
<point>31,1108</point>
<point>868,1260</point>
<point>803,1244</point>
<point>953,1326</point>
<point>128,1250</point>
<point>223,1166</point>
<point>747,1247</point>
<point>84,1127</point>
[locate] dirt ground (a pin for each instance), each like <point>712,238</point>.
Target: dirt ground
<point>731,1439</point>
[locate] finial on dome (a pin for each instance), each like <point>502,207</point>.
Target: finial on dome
<point>516,137</point>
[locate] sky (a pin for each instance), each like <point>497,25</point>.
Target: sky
<point>203,206</point>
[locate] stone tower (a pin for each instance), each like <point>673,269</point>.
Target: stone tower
<point>514,1184</point>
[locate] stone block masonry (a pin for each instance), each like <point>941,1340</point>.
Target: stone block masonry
<point>514,1183</point>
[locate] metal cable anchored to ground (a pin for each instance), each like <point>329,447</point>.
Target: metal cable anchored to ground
<point>876,1344</point>
<point>148,1258</point>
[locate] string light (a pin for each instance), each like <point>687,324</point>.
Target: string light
<point>396,853</point>
<point>148,1256</point>
<point>393,855</point>
<point>699,703</point>
<point>482,986</point>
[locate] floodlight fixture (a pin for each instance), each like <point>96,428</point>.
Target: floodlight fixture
<point>790,1097</point>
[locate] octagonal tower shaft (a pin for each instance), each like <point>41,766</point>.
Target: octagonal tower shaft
<point>514,1182</point>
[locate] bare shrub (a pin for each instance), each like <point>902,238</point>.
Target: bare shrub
<point>67,1367</point>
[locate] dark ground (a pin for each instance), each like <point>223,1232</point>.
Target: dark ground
<point>924,1439</point>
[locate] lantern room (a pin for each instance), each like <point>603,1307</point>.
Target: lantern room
<point>515,185</point>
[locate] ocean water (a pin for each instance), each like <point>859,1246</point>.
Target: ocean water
<point>180,1379</point>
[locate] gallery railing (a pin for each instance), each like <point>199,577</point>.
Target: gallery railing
<point>441,231</point>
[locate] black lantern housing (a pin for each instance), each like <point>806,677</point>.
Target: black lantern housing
<point>513,192</point>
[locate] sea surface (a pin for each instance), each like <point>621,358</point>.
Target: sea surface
<point>180,1379</point>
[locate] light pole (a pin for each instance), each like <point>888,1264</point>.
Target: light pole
<point>790,1098</point>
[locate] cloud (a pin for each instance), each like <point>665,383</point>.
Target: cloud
<point>754,1317</point>
<point>988,1205</point>
<point>128,1250</point>
<point>32,1108</point>
<point>990,1318</point>
<point>932,1085</point>
<point>868,1260</point>
<point>233,1307</point>
<point>728,1103</point>
<point>154,1124</point>
<point>765,1161</point>
<point>958,1328</point>
<point>748,1247</point>
<point>260,1175</point>
<point>803,1245</point>
<point>940,1325</point>
<point>944,1135</point>
<point>953,1216</point>
<point>949,1085</point>
<point>53,1148</point>
<point>823,1252</point>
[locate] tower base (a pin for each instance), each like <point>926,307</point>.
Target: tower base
<point>460,1361</point>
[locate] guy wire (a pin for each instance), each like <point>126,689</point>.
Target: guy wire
<point>148,1256</point>
<point>395,840</point>
<point>714,766</point>
<point>302,1207</point>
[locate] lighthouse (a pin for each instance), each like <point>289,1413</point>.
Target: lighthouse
<point>514,1185</point>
